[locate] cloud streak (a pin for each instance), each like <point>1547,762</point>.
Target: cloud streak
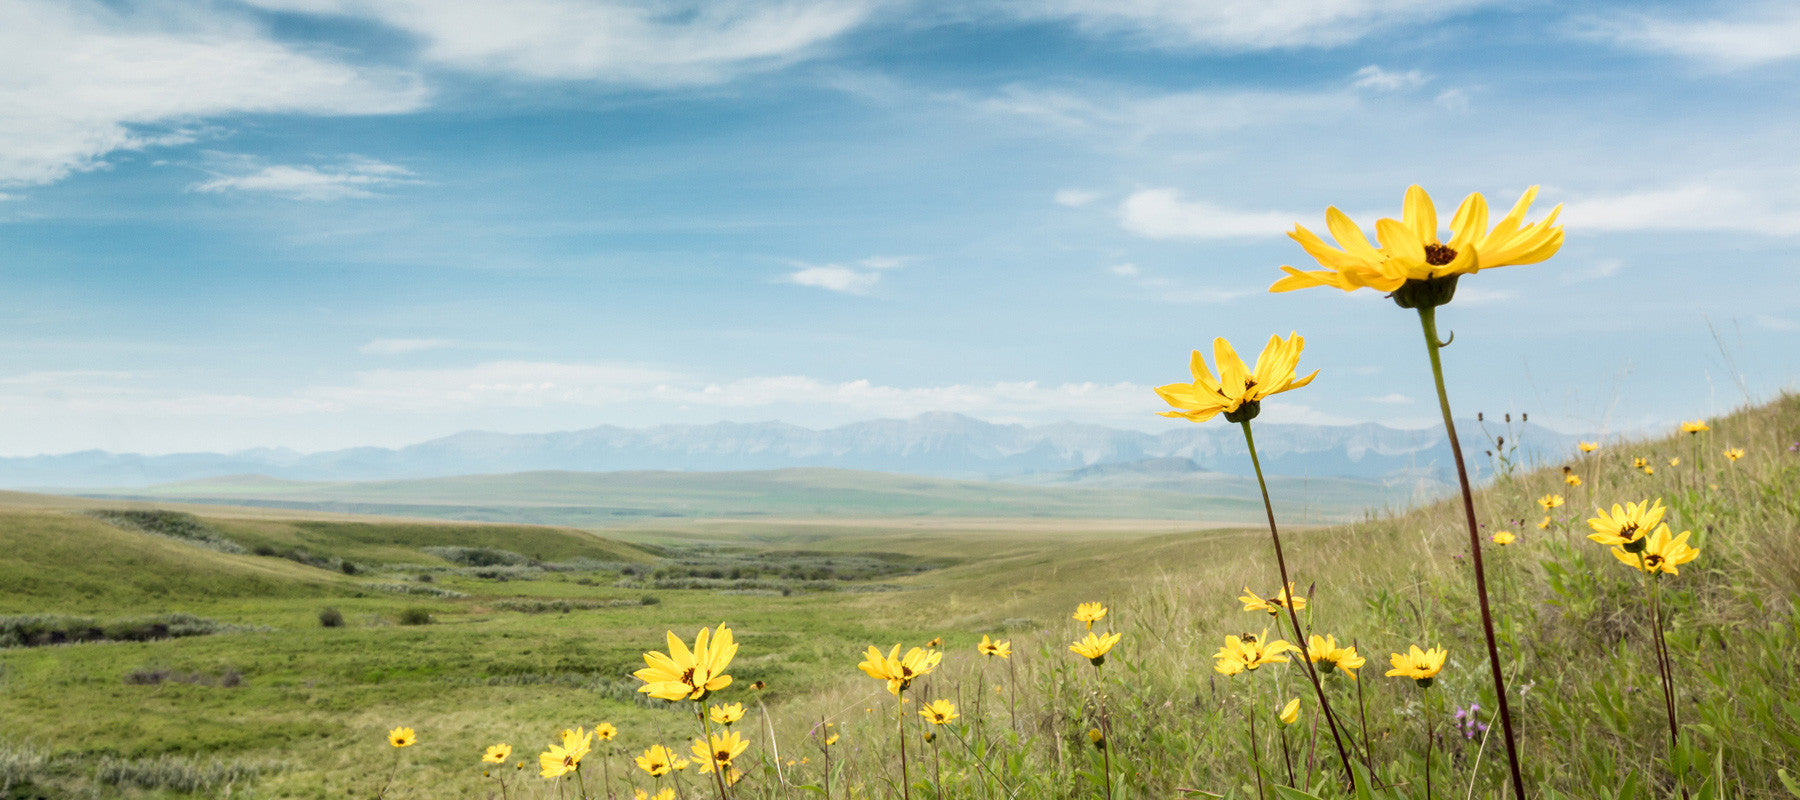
<point>355,178</point>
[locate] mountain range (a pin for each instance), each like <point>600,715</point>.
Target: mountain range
<point>940,445</point>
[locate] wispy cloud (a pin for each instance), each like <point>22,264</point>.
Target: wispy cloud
<point>858,278</point>
<point>1075,198</point>
<point>353,178</point>
<point>1163,214</point>
<point>1754,35</point>
<point>397,347</point>
<point>1394,399</point>
<point>1166,290</point>
<point>614,41</point>
<point>1120,111</point>
<point>1718,204</point>
<point>1384,80</point>
<point>1242,24</point>
<point>84,80</point>
<point>1770,322</point>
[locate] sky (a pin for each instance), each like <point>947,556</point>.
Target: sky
<point>318,224</point>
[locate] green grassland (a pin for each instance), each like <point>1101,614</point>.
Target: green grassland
<point>599,499</point>
<point>516,652</point>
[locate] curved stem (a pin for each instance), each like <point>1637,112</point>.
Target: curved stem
<point>1428,320</point>
<point>900,703</point>
<point>1662,657</point>
<point>1306,664</point>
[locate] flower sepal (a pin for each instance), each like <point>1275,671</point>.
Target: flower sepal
<point>1427,293</point>
<point>1245,412</point>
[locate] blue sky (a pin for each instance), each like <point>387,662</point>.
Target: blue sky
<point>326,223</point>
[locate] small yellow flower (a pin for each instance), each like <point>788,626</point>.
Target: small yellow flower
<point>498,754</point>
<point>727,713</point>
<point>657,760</point>
<point>1238,391</point>
<point>1089,613</point>
<point>1626,526</point>
<point>1675,462</point>
<point>1550,501</point>
<point>1094,648</point>
<point>689,675</point>
<point>1640,462</point>
<point>1572,479</point>
<point>1694,426</point>
<point>1290,713</point>
<point>1420,665</point>
<point>1504,538</point>
<point>1098,738</point>
<point>718,750</point>
<point>1254,602</point>
<point>939,711</point>
<point>1734,453</point>
<point>831,740</point>
<point>681,762</point>
<point>936,641</point>
<point>402,737</point>
<point>1660,553</point>
<point>1248,651</point>
<point>1588,447</point>
<point>897,671</point>
<point>994,647</point>
<point>1325,652</point>
<point>605,731</point>
<point>1544,523</point>
<point>1649,470</point>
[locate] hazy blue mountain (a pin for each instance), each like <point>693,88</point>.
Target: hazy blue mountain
<point>938,444</point>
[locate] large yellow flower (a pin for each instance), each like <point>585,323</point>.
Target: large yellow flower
<point>1626,527</point>
<point>688,675</point>
<point>898,671</point>
<point>1412,251</point>
<point>1660,553</point>
<point>657,760</point>
<point>1239,390</point>
<point>1325,652</point>
<point>718,750</point>
<point>1420,665</point>
<point>1094,648</point>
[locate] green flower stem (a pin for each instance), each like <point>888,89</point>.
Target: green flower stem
<point>1281,563</point>
<point>718,770</point>
<point>1105,730</point>
<point>1428,320</point>
<point>1255,756</point>
<point>1662,653</point>
<point>900,705</point>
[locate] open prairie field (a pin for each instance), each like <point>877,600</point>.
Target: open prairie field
<point>174,651</point>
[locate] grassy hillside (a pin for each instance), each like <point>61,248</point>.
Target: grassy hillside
<point>612,498</point>
<point>524,653</point>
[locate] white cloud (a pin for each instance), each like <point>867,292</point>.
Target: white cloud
<point>836,278</point>
<point>397,347</point>
<point>1767,33</point>
<point>1162,214</point>
<point>81,80</point>
<point>1453,99</point>
<point>619,41</point>
<point>1242,24</point>
<point>1130,113</point>
<point>882,262</point>
<point>1125,270</point>
<point>1770,322</point>
<point>5,196</point>
<point>1393,399</point>
<point>1075,198</point>
<point>355,178</point>
<point>1716,205</point>
<point>1164,290</point>
<point>1384,80</point>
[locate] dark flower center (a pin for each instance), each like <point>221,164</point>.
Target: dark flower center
<point>1438,255</point>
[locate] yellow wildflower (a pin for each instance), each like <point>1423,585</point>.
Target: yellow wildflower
<point>1094,648</point>
<point>1504,538</point>
<point>1290,713</point>
<point>1325,652</point>
<point>1239,390</point>
<point>1089,613</point>
<point>994,647</point>
<point>897,671</point>
<point>402,737</point>
<point>689,675</point>
<point>1626,527</point>
<point>1420,665</point>
<point>657,760</point>
<point>1734,453</point>
<point>718,750</point>
<point>1253,602</point>
<point>497,754</point>
<point>1550,501</point>
<point>1660,554</point>
<point>1572,479</point>
<point>727,713</point>
<point>939,711</point>
<point>1248,651</point>
<point>605,731</point>
<point>1588,447</point>
<point>1694,426</point>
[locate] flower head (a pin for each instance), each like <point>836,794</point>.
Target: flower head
<point>1626,527</point>
<point>1660,554</point>
<point>1246,652</point>
<point>1412,257</point>
<point>561,759</point>
<point>1094,648</point>
<point>402,737</point>
<point>717,750</point>
<point>1675,462</point>
<point>1504,538</point>
<point>1572,479</point>
<point>1290,713</point>
<point>1694,426</point>
<point>1089,613</point>
<point>1254,602</point>
<point>897,671</point>
<point>1420,665</point>
<point>1544,524</point>
<point>1588,447</point>
<point>497,754</point>
<point>727,713</point>
<point>1325,652</point>
<point>1734,453</point>
<point>689,675</point>
<point>657,760</point>
<point>1550,501</point>
<point>1239,390</point>
<point>578,742</point>
<point>994,647</point>
<point>939,711</point>
<point>605,731</point>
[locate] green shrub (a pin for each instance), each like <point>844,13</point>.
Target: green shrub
<point>415,616</point>
<point>330,617</point>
